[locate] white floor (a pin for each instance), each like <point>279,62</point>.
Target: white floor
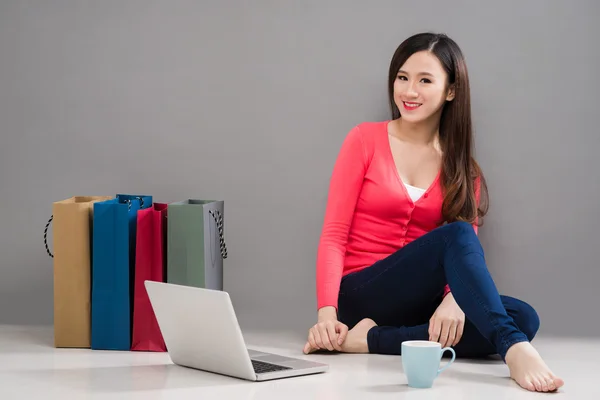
<point>31,368</point>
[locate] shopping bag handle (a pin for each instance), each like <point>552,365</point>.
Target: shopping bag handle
<point>218,217</point>
<point>46,237</point>
<point>128,201</point>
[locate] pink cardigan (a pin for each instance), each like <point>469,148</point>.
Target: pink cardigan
<point>369,214</point>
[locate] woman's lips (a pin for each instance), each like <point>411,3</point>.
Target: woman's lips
<point>411,106</point>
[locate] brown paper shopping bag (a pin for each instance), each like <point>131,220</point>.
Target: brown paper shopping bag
<point>71,230</point>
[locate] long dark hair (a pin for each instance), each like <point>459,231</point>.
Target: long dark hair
<point>460,172</point>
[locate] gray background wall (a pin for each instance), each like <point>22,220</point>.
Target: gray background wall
<point>250,101</point>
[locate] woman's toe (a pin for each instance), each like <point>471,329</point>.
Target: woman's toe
<point>537,384</point>
<point>544,384</point>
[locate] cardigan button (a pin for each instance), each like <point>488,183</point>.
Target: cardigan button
<point>425,195</point>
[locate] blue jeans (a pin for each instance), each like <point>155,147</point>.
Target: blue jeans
<point>402,291</point>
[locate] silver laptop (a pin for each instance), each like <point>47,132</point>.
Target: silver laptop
<point>201,331</point>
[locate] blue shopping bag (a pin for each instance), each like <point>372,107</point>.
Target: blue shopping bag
<point>113,266</point>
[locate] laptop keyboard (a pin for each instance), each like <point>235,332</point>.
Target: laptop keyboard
<point>261,367</point>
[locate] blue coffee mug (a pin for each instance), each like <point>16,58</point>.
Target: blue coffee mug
<point>421,362</point>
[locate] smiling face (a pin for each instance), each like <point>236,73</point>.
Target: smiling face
<point>421,87</point>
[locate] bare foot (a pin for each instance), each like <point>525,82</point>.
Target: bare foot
<point>529,370</point>
<point>356,340</point>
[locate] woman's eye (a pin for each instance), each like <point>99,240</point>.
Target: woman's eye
<point>424,80</point>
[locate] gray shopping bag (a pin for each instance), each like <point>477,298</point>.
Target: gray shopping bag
<point>195,243</point>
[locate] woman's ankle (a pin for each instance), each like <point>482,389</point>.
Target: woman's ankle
<point>515,347</point>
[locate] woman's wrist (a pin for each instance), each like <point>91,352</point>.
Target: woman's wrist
<point>327,313</point>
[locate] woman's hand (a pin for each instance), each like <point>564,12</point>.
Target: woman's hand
<point>447,323</point>
<point>327,334</point>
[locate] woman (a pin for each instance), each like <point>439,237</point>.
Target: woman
<point>399,258</point>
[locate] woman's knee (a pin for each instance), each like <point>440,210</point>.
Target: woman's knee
<point>461,228</point>
<point>462,234</point>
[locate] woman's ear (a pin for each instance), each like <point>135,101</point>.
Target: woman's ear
<point>451,93</point>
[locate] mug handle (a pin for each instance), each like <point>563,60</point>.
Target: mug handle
<point>451,350</point>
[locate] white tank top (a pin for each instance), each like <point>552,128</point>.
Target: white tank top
<point>415,193</point>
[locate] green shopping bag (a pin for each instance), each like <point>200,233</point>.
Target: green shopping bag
<point>196,243</point>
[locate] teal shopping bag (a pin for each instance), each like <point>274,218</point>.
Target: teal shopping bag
<point>113,265</point>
